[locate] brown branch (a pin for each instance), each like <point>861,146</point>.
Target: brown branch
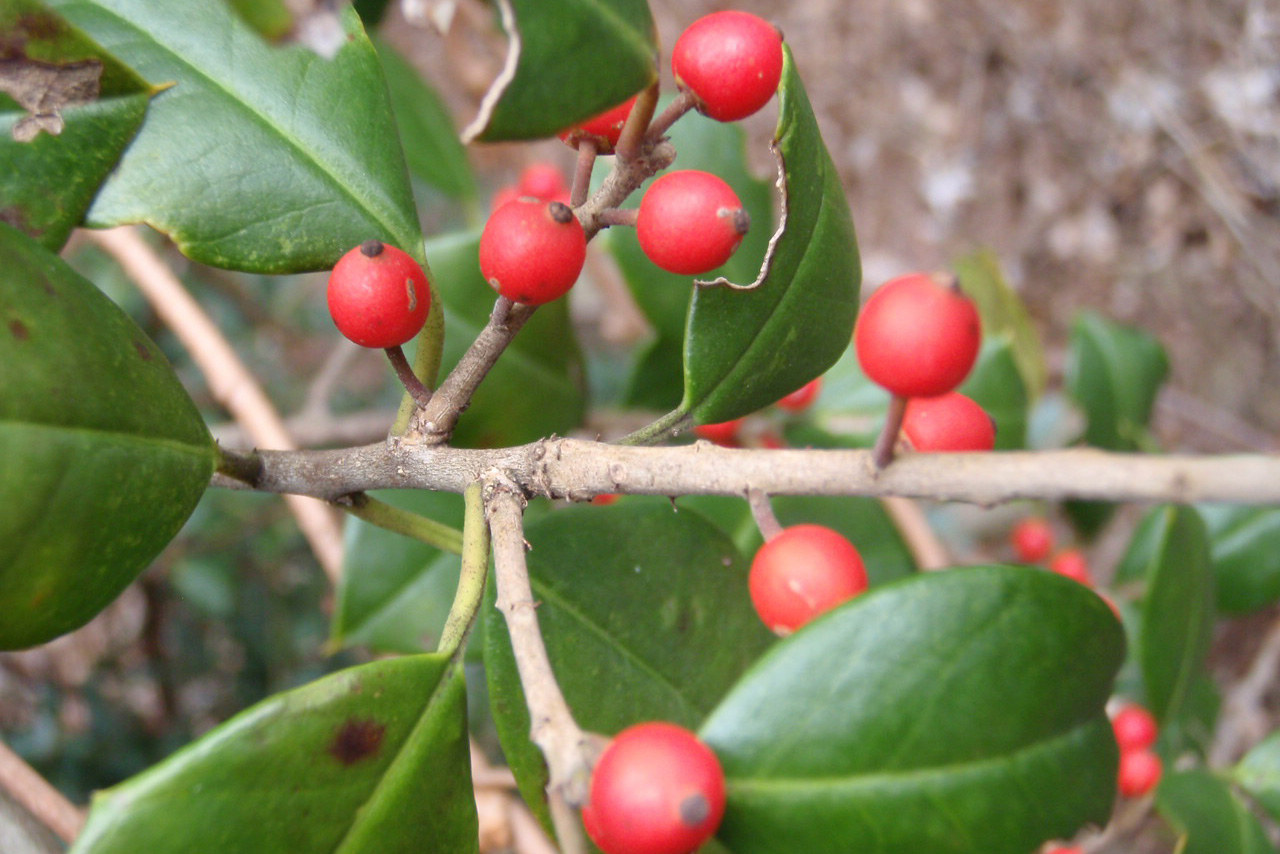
<point>34,793</point>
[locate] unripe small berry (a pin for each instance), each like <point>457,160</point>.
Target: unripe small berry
<point>657,789</point>
<point>804,571</point>
<point>532,251</point>
<point>1032,539</point>
<point>730,62</point>
<point>1135,728</point>
<point>605,129</point>
<point>378,295</point>
<point>918,335</point>
<point>690,222</point>
<point>1139,773</point>
<point>948,422</point>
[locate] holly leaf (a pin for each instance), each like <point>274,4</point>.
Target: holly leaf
<point>1177,609</point>
<point>371,759</point>
<point>552,77</point>
<point>649,602</point>
<point>1208,816</point>
<point>996,384</point>
<point>257,158</point>
<point>1004,316</point>
<point>1245,544</point>
<point>959,711</point>
<point>68,110</point>
<point>1259,773</point>
<point>104,454</point>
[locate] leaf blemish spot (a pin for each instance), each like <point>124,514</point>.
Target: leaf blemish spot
<point>19,329</point>
<point>356,739</point>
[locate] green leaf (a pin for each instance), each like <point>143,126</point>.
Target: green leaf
<point>645,614</point>
<point>1245,544</point>
<point>271,18</point>
<point>259,158</point>
<point>47,184</point>
<point>431,146</point>
<point>746,349</point>
<point>1177,610</point>
<point>371,759</point>
<point>958,711</point>
<point>537,388</point>
<point>104,455</point>
<point>1113,372</point>
<point>996,384</point>
<point>556,53</point>
<point>1004,316</point>
<point>396,591</point>
<point>1208,815</point>
<point>1259,773</point>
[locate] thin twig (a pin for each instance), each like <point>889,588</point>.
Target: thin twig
<point>25,785</point>
<point>762,512</point>
<point>1244,720</point>
<point>921,540</point>
<point>582,169</point>
<point>230,381</point>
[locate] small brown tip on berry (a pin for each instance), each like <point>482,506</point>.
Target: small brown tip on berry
<point>560,212</point>
<point>741,219</point>
<point>694,810</point>
<point>371,248</point>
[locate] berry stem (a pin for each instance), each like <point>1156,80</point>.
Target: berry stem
<point>420,393</point>
<point>681,104</point>
<point>618,216</point>
<point>582,172</point>
<point>636,129</point>
<point>762,512</point>
<point>475,571</point>
<point>376,512</point>
<point>882,453</point>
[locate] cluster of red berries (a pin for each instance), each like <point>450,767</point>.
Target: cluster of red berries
<point>1140,767</point>
<point>748,431</point>
<point>1033,541</point>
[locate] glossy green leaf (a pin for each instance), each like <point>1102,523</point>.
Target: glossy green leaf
<point>556,52</point>
<point>431,145</point>
<point>372,759</point>
<point>1177,610</point>
<point>958,711</point>
<point>396,591</point>
<point>1004,316</point>
<point>260,158</point>
<point>104,455</point>
<point>1245,544</point>
<point>996,384</point>
<point>1113,373</point>
<point>271,18</point>
<point>47,183</point>
<point>645,614</point>
<point>537,388</point>
<point>1208,815</point>
<point>746,349</point>
<point>1259,774</point>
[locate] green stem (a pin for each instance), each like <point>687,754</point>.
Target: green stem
<point>380,513</point>
<point>426,360</point>
<point>666,426</point>
<point>475,571</point>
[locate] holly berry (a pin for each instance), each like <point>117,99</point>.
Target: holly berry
<point>1135,728</point>
<point>604,129</point>
<point>1063,849</point>
<point>378,295</point>
<point>802,398</point>
<point>730,62</point>
<point>1140,771</point>
<point>802,572</point>
<point>725,433</point>
<point>1072,564</point>
<point>532,251</point>
<point>948,422</point>
<point>690,222</point>
<point>918,335</point>
<point>657,789</point>
<point>543,181</point>
<point>1032,539</point>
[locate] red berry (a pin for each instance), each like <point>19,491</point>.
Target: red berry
<point>918,335</point>
<point>802,398</point>
<point>948,422</point>
<point>378,295</point>
<point>1135,728</point>
<point>1139,772</point>
<point>725,433</point>
<point>802,572</point>
<point>1032,539</point>
<point>543,181</point>
<point>532,251</point>
<point>605,128</point>
<point>604,499</point>
<point>1063,849</point>
<point>657,789</point>
<point>1072,564</point>
<point>690,222</point>
<point>730,62</point>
